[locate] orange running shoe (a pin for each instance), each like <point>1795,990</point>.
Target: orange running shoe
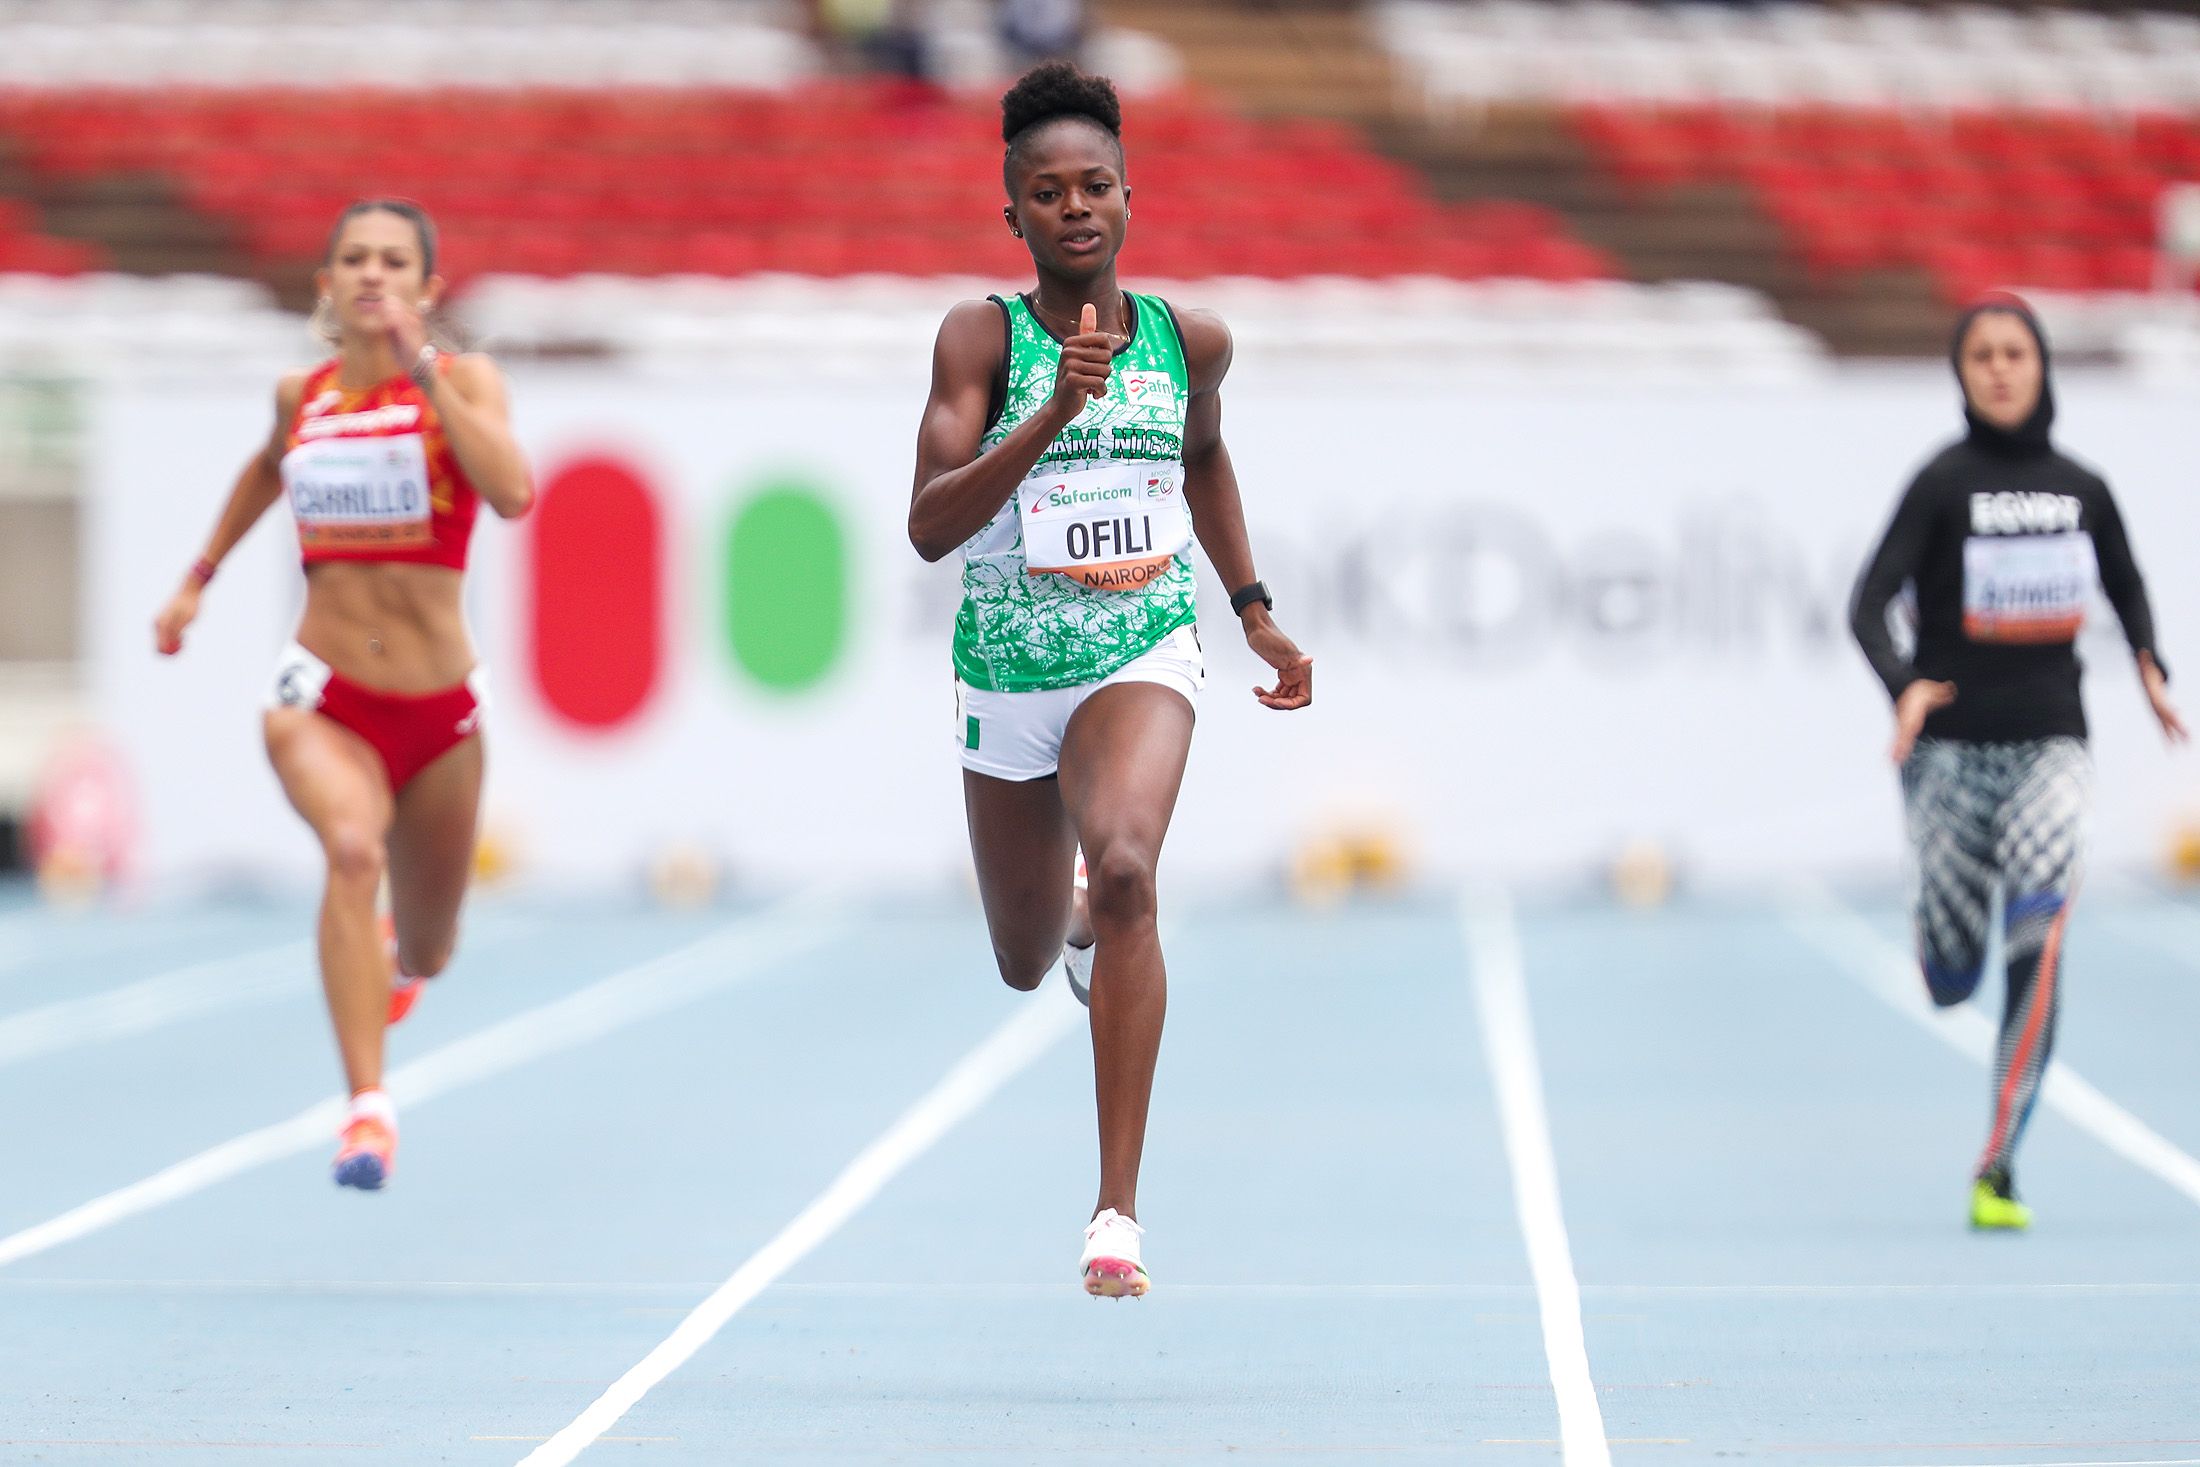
<point>367,1154</point>
<point>404,992</point>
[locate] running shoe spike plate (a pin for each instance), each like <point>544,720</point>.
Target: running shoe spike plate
<point>1111,1265</point>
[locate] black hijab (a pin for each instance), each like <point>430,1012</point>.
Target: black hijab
<point>2030,436</point>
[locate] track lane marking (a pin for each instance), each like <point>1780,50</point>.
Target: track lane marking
<point>1889,972</point>
<point>1498,973</point>
<point>646,990</point>
<point>1036,1026</point>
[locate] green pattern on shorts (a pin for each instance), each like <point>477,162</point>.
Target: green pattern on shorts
<point>1023,633</point>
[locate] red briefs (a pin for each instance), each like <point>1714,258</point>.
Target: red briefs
<point>409,731</point>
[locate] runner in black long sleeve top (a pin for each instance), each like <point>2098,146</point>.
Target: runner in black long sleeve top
<point>2014,665</point>
<point>2003,539</point>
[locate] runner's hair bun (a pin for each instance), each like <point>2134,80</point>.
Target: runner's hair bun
<point>1058,89</point>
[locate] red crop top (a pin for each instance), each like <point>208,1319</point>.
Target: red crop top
<point>370,476</point>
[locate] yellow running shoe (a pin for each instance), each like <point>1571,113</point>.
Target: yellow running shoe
<point>1994,1205</point>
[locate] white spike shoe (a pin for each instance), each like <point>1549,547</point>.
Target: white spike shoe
<point>1111,1265</point>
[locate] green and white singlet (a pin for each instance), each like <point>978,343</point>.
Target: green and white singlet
<point>1104,506</point>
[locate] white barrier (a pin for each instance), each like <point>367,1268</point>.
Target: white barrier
<point>1545,621</point>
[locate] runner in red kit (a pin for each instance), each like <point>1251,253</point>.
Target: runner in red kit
<point>373,725</point>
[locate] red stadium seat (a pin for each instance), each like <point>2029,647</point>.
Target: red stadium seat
<point>2124,267</point>
<point>36,254</point>
<point>1979,198</point>
<point>653,180</point>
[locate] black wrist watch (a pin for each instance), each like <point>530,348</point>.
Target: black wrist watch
<point>1246,595</point>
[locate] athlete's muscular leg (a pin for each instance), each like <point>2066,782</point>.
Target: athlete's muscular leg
<point>1021,838</point>
<point>432,857</point>
<point>2040,844</point>
<point>338,784</point>
<point>1122,765</point>
<point>1950,806</point>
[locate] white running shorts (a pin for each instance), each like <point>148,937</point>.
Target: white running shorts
<point>1018,736</point>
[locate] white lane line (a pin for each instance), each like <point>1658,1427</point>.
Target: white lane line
<point>1508,1044</point>
<point>1178,1288</point>
<point>150,1003</point>
<point>1890,972</point>
<point>1037,1024</point>
<point>627,997</point>
<point>260,975</point>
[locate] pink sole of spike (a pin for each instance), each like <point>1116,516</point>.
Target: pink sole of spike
<point>1113,1278</point>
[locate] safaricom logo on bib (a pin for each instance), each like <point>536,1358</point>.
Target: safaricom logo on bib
<point>1061,496</point>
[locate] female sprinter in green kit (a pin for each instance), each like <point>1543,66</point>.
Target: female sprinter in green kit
<point>1071,445</point>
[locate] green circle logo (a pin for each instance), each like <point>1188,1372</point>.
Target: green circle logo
<point>786,586</point>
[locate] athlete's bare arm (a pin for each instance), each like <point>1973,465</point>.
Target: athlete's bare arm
<point>477,422</point>
<point>1218,512</point>
<point>958,489</point>
<point>469,397</point>
<point>259,484</point>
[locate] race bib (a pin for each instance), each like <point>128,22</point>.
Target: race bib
<point>2026,588</point>
<point>1112,528</point>
<point>360,491</point>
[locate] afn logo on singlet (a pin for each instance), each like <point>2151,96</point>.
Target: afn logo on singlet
<point>2035,513</point>
<point>1143,388</point>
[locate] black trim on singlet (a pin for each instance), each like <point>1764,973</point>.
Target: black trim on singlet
<point>1130,302</point>
<point>997,397</point>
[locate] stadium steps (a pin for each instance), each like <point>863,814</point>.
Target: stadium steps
<point>136,220</point>
<point>1704,231</point>
<point>1874,313</point>
<point>1268,57</point>
<point>1703,234</point>
<point>1320,57</point>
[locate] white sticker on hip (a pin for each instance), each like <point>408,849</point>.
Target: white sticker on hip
<point>1115,527</point>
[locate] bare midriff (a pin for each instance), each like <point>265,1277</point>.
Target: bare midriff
<point>393,627</point>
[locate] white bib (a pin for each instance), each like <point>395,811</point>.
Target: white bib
<point>1111,528</point>
<point>2026,588</point>
<point>360,491</point>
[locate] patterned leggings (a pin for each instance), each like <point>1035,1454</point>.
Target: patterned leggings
<point>2011,816</point>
